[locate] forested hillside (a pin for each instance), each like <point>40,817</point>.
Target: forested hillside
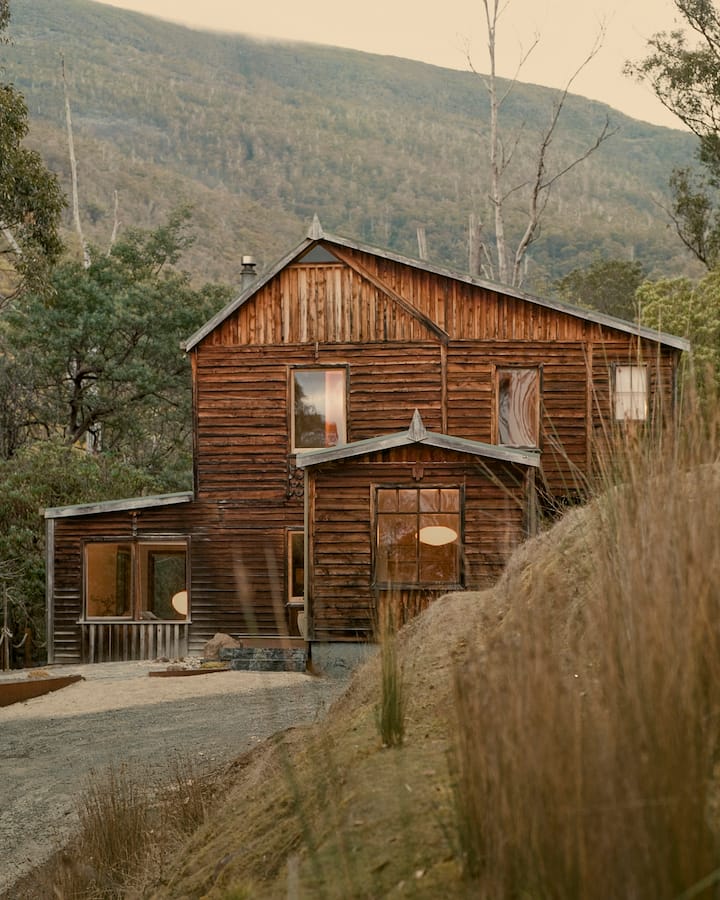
<point>258,136</point>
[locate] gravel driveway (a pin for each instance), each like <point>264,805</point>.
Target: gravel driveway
<point>118,714</point>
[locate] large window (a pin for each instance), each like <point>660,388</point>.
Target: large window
<point>136,580</point>
<point>518,407</point>
<point>418,536</point>
<point>318,408</point>
<point>630,393</point>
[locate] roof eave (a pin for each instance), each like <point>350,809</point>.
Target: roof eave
<point>106,506</point>
<point>316,234</point>
<point>524,457</point>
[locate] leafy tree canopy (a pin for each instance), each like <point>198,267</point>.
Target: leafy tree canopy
<point>679,306</point>
<point>685,75</point>
<point>102,356</point>
<point>607,285</point>
<point>30,198</point>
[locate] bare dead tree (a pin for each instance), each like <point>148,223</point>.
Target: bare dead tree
<point>506,264</point>
<point>116,221</point>
<point>73,172</point>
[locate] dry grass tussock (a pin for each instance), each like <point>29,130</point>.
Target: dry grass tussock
<point>560,731</point>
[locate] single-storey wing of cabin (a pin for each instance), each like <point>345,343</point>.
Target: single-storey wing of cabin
<point>365,426</point>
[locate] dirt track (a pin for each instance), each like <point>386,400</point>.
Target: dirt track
<point>118,714</point>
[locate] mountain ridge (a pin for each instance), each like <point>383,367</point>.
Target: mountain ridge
<point>259,135</point>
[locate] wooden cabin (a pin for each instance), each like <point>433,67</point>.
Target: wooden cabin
<point>366,428</point>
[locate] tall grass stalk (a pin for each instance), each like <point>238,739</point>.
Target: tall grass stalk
<point>129,823</point>
<point>588,721</point>
<point>391,707</point>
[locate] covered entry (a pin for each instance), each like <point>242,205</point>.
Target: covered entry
<point>404,518</point>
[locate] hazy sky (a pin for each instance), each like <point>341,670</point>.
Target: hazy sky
<point>441,32</point>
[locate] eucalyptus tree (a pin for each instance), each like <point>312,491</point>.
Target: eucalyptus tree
<point>529,186</point>
<point>31,200</point>
<point>608,285</point>
<point>683,69</point>
<point>102,355</point>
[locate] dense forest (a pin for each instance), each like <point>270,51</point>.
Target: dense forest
<point>258,136</point>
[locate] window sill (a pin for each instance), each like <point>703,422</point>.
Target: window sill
<point>117,620</point>
<point>408,586</point>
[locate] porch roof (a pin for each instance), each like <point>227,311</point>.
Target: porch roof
<point>417,434</point>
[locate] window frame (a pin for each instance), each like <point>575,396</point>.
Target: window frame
<point>141,548</point>
<point>633,366</point>
<point>459,542</point>
<point>292,372</point>
<point>497,372</point>
<point>290,598</point>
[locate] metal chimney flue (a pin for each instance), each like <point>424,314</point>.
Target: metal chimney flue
<point>247,271</point>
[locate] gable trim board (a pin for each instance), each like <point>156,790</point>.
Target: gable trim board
<point>330,240</point>
<point>417,434</point>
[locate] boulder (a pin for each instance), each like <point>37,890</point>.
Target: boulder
<point>216,643</point>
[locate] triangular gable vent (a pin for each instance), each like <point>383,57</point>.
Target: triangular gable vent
<point>318,254</point>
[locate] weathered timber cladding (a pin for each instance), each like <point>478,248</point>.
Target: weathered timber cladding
<point>236,562</point>
<point>324,303</point>
<point>662,374</point>
<point>242,399</point>
<point>409,339</point>
<point>342,597</point>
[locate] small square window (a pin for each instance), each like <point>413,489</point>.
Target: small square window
<point>318,408</point>
<point>630,393</point>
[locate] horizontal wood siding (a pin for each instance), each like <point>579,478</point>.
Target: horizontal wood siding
<point>342,599</point>
<point>237,575</point>
<point>472,399</point>
<point>242,397</point>
<point>662,366</point>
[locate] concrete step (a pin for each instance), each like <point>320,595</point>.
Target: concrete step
<point>265,659</point>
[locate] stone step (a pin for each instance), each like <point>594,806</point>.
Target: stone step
<point>265,659</point>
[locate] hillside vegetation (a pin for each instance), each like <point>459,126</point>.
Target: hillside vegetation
<point>259,136</point>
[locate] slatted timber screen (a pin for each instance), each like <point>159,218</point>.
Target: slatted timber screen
<point>122,641</point>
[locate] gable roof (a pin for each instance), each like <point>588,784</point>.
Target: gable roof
<point>417,434</point>
<point>316,234</point>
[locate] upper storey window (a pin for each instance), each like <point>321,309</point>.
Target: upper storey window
<point>318,408</point>
<point>631,393</point>
<point>518,407</point>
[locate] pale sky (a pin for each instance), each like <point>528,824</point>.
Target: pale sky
<point>441,32</point>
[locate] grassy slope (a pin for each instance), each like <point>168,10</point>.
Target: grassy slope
<point>380,821</point>
<point>587,714</point>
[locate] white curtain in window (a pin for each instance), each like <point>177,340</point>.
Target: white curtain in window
<point>631,390</point>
